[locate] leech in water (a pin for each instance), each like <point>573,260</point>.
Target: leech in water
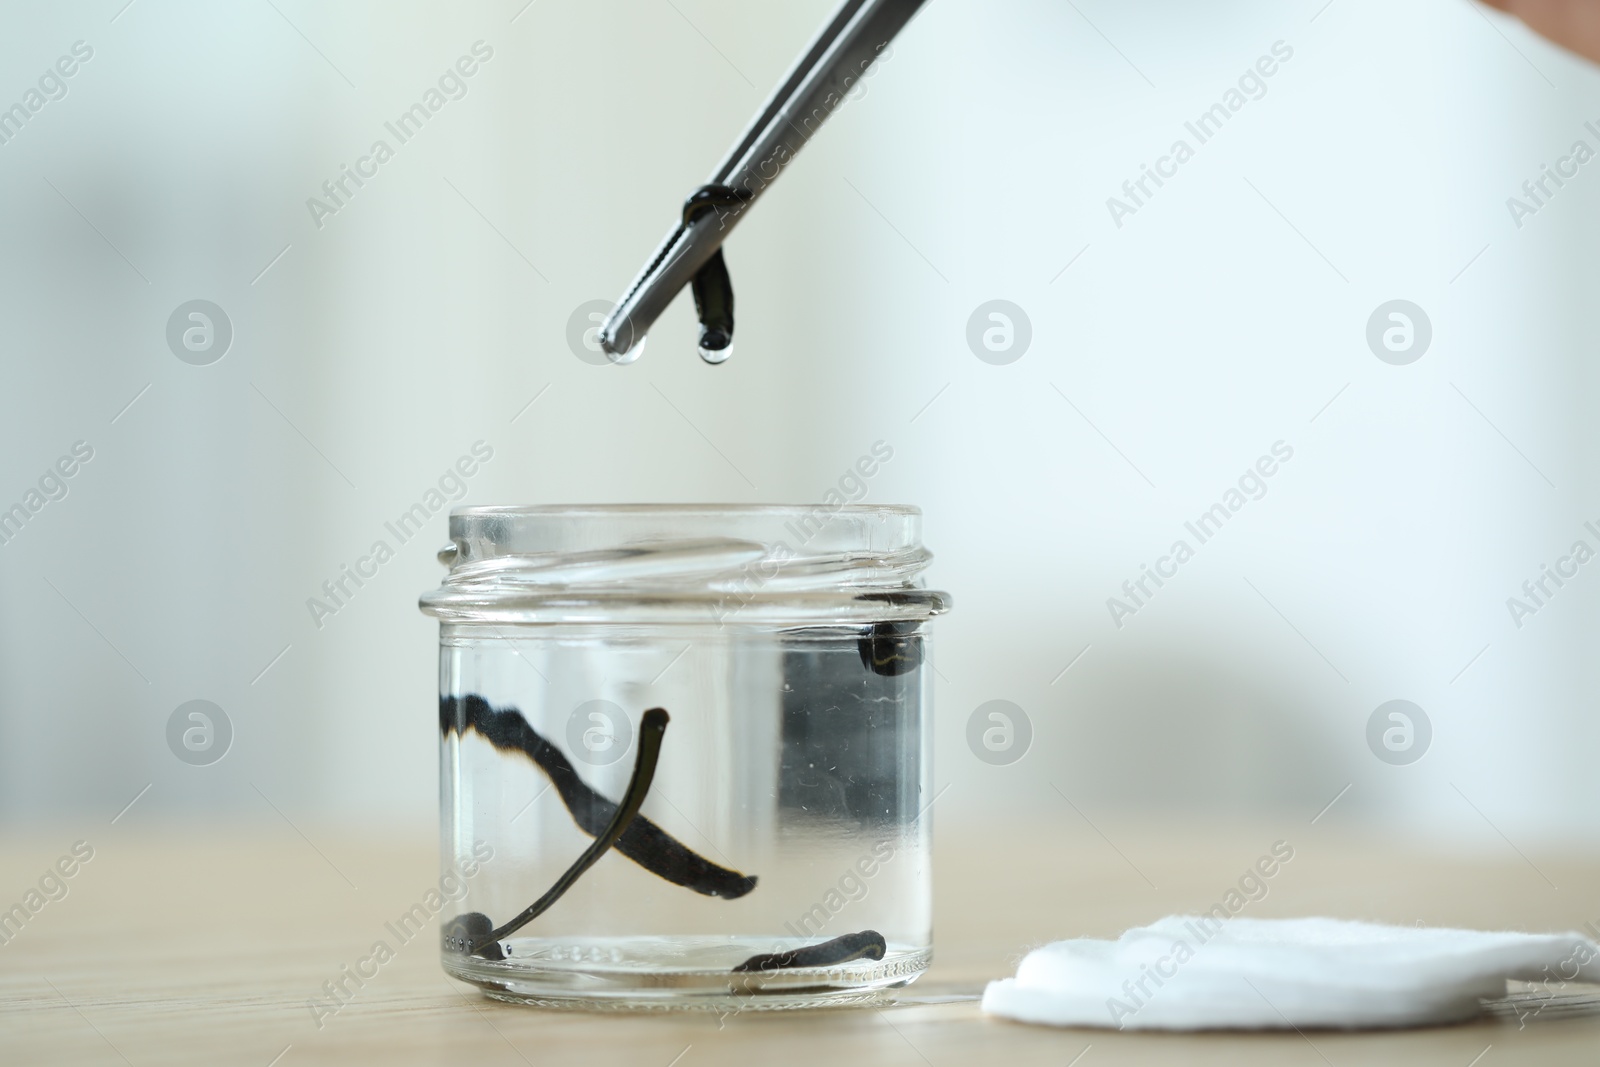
<point>642,841</point>
<point>464,933</point>
<point>891,648</point>
<point>868,944</point>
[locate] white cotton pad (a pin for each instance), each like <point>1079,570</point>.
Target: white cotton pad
<point>1189,972</point>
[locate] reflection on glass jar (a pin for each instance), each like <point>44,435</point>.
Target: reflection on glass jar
<point>753,681</point>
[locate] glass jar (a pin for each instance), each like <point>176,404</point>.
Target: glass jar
<point>759,674</point>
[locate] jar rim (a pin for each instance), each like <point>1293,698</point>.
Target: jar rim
<point>548,562</point>
<point>682,509</point>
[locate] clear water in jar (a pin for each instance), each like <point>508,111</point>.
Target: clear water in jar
<point>800,758</point>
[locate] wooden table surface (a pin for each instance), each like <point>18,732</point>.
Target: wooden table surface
<point>203,944</point>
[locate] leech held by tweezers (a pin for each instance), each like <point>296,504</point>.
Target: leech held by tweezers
<point>711,285</point>
<point>868,944</point>
<point>642,841</point>
<point>819,83</point>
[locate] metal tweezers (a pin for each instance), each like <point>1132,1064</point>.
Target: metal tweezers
<point>812,90</point>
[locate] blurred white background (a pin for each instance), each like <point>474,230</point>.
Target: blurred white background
<point>1229,313</point>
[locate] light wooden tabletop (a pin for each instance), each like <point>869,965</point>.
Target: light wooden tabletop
<point>202,945</point>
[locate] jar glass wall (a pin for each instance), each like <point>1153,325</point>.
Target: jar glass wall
<point>780,857</point>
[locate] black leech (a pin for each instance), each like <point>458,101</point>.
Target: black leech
<point>891,648</point>
<point>868,944</point>
<point>712,288</point>
<point>652,727</point>
<point>471,933</point>
<point>642,841</point>
<point>713,302</point>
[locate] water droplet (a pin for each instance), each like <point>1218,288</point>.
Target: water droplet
<point>716,355</point>
<point>631,355</point>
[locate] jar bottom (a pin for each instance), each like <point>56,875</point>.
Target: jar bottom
<point>678,974</point>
